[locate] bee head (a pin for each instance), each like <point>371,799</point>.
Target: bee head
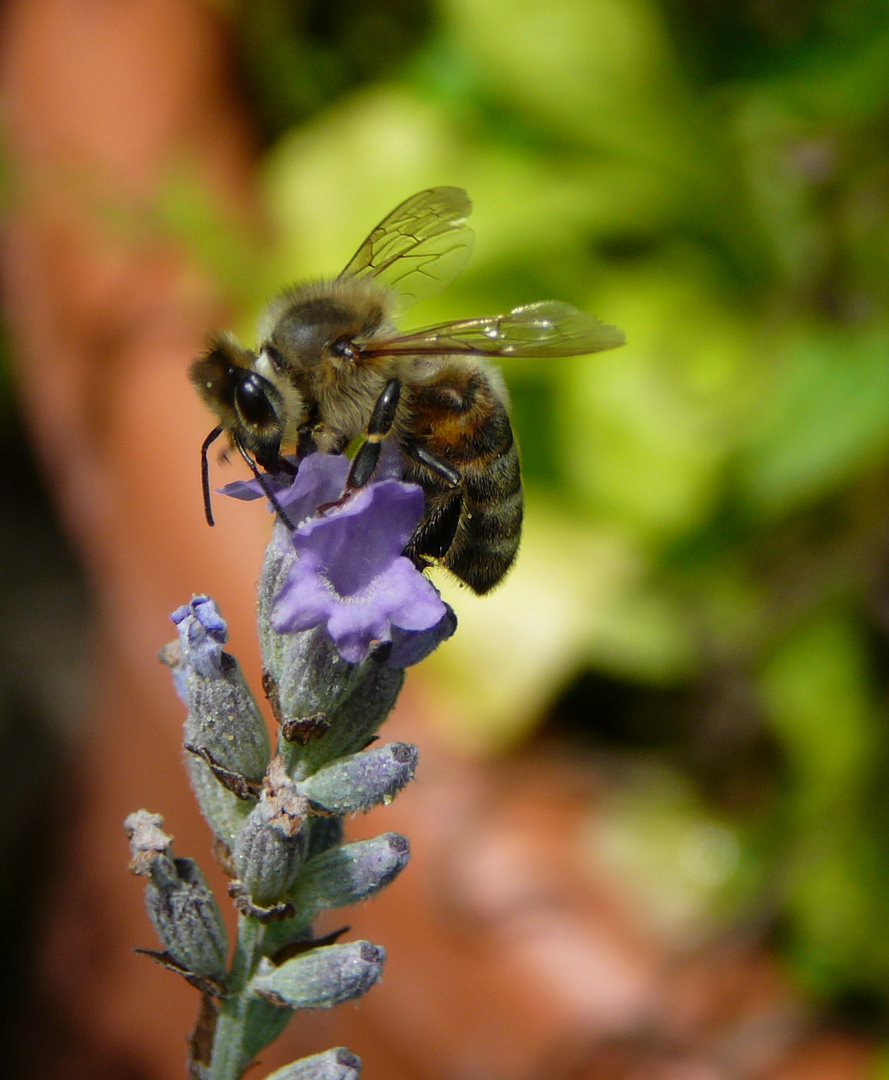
<point>250,408</point>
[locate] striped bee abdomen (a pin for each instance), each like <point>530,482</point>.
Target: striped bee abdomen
<point>472,528</point>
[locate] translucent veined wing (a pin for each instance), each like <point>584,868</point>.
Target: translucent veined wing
<point>421,247</point>
<point>549,328</point>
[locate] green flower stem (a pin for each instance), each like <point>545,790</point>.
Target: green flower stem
<point>230,1057</point>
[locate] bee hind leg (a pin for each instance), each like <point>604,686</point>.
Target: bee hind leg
<point>434,536</point>
<point>425,457</point>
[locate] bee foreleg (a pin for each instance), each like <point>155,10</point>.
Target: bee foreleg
<point>305,441</point>
<point>378,427</point>
<point>267,490</point>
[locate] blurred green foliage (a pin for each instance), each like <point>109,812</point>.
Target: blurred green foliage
<point>704,584</point>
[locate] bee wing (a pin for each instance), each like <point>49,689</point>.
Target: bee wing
<point>549,328</point>
<point>421,247</point>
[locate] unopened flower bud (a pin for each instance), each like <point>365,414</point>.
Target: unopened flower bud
<point>310,675</point>
<point>150,846</point>
<point>321,977</point>
<point>336,1064</point>
<point>344,875</point>
<point>363,780</point>
<point>355,720</point>
<point>223,717</point>
<point>182,910</point>
<point>273,842</point>
<point>327,706</point>
<point>224,730</point>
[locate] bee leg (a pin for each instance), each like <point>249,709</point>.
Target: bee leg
<point>267,490</point>
<point>305,441</point>
<point>434,535</point>
<point>284,467</point>
<point>425,457</point>
<point>365,461</point>
<point>378,427</point>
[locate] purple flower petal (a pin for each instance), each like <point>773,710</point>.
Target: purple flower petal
<point>355,632</point>
<point>247,490</point>
<point>319,479</point>
<point>304,602</point>
<point>350,575</point>
<point>355,542</point>
<point>410,647</point>
<point>397,597</point>
<point>412,601</point>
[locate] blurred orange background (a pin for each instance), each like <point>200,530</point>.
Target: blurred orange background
<point>632,855</point>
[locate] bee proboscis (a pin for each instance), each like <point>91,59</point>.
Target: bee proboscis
<point>331,365</point>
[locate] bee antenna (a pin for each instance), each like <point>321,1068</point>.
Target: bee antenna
<point>205,472</point>
<point>263,481</point>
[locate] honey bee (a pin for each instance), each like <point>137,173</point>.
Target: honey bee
<point>331,365</point>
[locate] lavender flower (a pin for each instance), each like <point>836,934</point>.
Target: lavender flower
<point>319,479</point>
<point>342,611</point>
<point>348,572</point>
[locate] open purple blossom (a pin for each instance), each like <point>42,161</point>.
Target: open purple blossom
<point>320,479</point>
<point>349,574</point>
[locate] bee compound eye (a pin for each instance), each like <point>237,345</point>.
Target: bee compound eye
<point>253,401</point>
